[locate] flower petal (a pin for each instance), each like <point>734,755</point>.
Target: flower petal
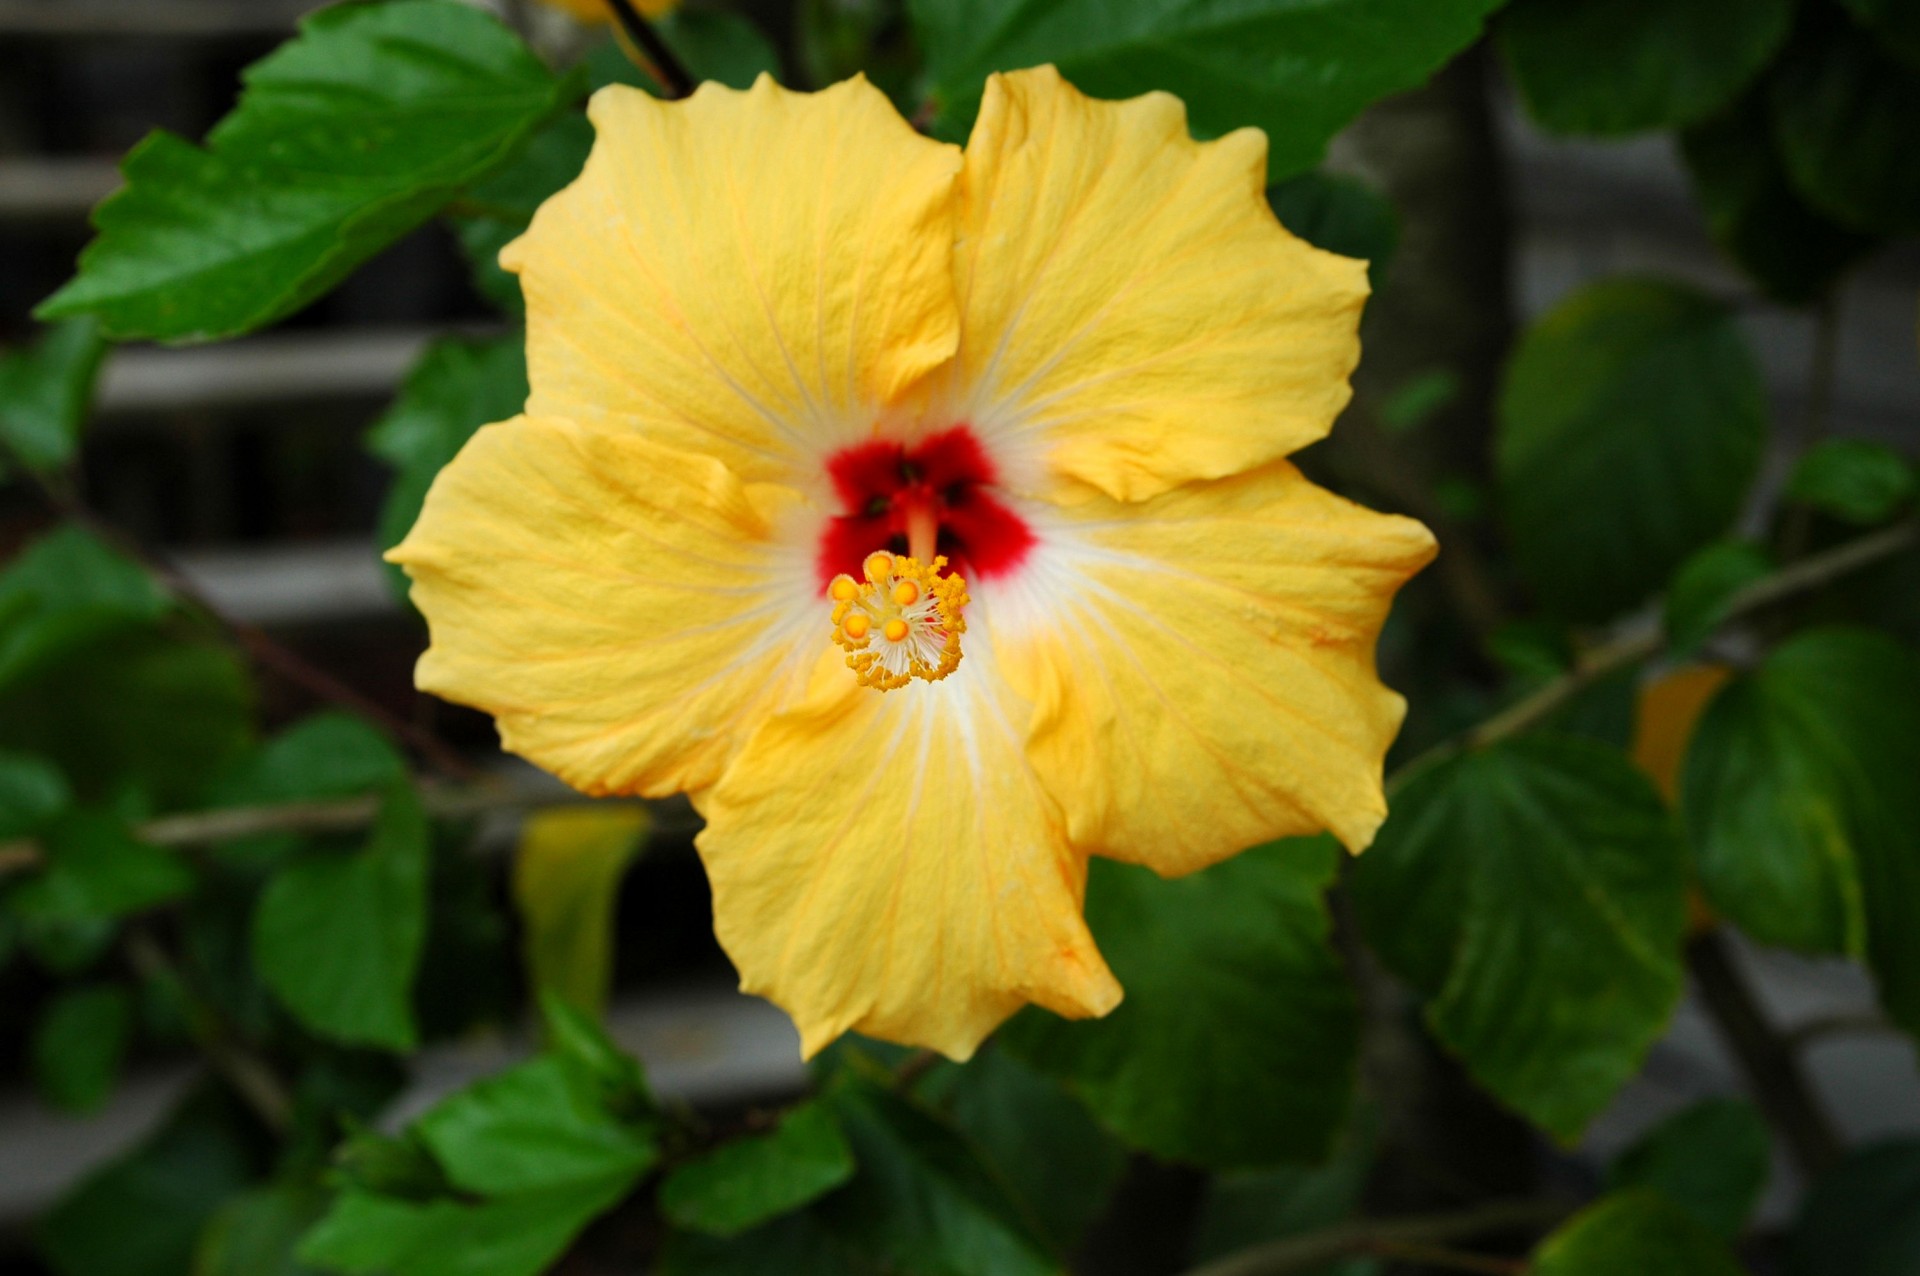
<point>628,613</point>
<point>887,863</point>
<point>753,275</point>
<point>1201,666</point>
<point>1133,315</point>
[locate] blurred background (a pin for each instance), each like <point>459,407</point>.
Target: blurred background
<point>246,464</point>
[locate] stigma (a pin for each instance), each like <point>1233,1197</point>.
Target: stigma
<point>902,622</point>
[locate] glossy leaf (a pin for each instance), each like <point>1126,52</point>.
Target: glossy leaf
<point>1712,1160</point>
<point>329,755</point>
<point>1846,114</point>
<point>78,1046</point>
<point>345,139</point>
<point>457,387</point>
<point>1236,1042</point>
<point>517,1235</point>
<point>1853,479</point>
<point>1342,215</point>
<point>1863,1218</point>
<point>496,211</point>
<point>1634,1232</point>
<point>1300,72</point>
<point>1609,67</point>
<point>1757,215</point>
<point>566,884</point>
<point>337,936</point>
<point>1705,588</point>
<point>1534,892</point>
<point>46,392</point>
<point>1801,806</point>
<point>750,1181</point>
<point>1631,425</point>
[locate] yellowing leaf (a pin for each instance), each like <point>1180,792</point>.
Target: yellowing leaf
<point>1664,718</point>
<point>566,879</point>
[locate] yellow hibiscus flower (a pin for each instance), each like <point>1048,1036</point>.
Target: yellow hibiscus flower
<point>786,356</point>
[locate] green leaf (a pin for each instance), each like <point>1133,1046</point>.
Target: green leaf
<point>922,1202</point>
<point>457,387</point>
<point>345,139</point>
<point>1846,115</point>
<point>566,884</point>
<point>255,1234</point>
<point>46,393</point>
<point>1635,1232</point>
<point>1800,802</point>
<point>139,710</point>
<point>1248,1207</point>
<point>711,43</point>
<point>1236,1042</point>
<point>1534,891</point>
<point>1895,23</point>
<point>1757,215</point>
<point>96,870</point>
<point>1863,1218</point>
<point>1045,1145</point>
<point>32,792</point>
<point>78,1046</point>
<point>142,1214</point>
<point>1705,587</point>
<point>503,205</point>
<point>337,936</point>
<point>538,1126</point>
<point>743,1184</point>
<point>1853,479</point>
<point>64,590</point>
<point>1609,67</point>
<point>1342,215</point>
<point>1298,71</point>
<point>1632,422</point>
<point>517,1235</point>
<point>329,755</point>
<point>1712,1160</point>
<point>583,1046</point>
<point>795,1245</point>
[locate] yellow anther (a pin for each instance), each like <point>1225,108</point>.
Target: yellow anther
<point>916,609</point>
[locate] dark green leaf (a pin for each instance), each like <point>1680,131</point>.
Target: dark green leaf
<point>538,1126</point>
<point>79,1044</point>
<point>1853,479</point>
<point>712,44</point>
<point>1895,23</point>
<point>1801,804</point>
<point>1414,404</point>
<point>97,870</point>
<point>1846,115</point>
<point>583,1046</point>
<point>796,1245</point>
<point>922,1202</point>
<point>1631,424</point>
<point>329,755</point>
<point>1756,214</point>
<point>1635,1232</point>
<point>1712,1160</point>
<point>1251,1206</point>
<point>382,1165</point>
<point>1623,66</point>
<point>65,589</point>
<point>1535,893</point>
<point>142,1214</point>
<point>1236,1042</point>
<point>337,936</point>
<point>1298,71</point>
<point>1342,215</point>
<point>495,212</point>
<point>255,1234</point>
<point>1062,1166</point>
<point>346,138</point>
<point>456,388</point>
<point>31,793</point>
<point>745,1183</point>
<point>46,392</point>
<point>1705,587</point>
<point>516,1235</point>
<point>1863,1219</point>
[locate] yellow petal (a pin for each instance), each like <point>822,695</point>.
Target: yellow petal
<point>755,276</point>
<point>886,862</point>
<point>627,613</point>
<point>1202,666</point>
<point>1133,315</point>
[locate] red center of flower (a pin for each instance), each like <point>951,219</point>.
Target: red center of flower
<point>894,494</point>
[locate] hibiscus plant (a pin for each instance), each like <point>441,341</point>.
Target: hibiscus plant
<point>1205,798</point>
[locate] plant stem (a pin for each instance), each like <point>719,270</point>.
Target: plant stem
<point>656,59</point>
<point>1767,1056</point>
<point>1305,1252</point>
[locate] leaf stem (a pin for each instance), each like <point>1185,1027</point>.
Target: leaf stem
<point>1392,1238</point>
<point>656,59</point>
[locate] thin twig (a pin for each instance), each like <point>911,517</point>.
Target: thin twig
<point>1306,1252</point>
<point>656,59</point>
<point>1768,1058</point>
